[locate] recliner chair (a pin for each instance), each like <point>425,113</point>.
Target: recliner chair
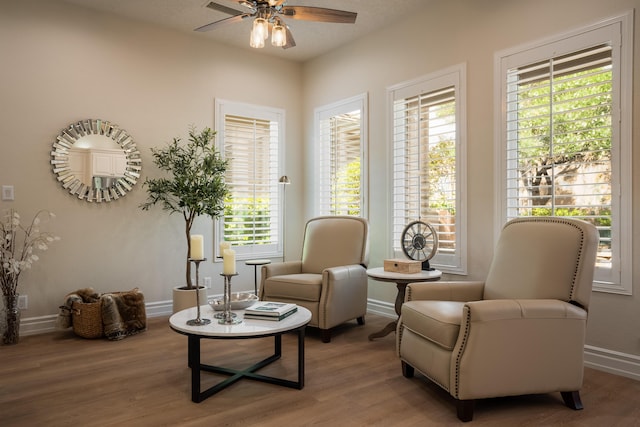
<point>521,331</point>
<point>330,279</point>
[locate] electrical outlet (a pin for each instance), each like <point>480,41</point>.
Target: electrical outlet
<point>207,282</point>
<point>23,302</point>
<point>7,192</point>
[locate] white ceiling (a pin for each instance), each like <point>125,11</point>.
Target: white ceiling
<point>312,38</point>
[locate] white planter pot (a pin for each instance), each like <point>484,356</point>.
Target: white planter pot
<point>186,298</point>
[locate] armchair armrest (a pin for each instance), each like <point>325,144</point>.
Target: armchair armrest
<point>281,268</point>
<point>345,294</point>
<point>345,273</point>
<point>461,291</point>
<point>278,269</point>
<point>511,309</point>
<point>516,347</point>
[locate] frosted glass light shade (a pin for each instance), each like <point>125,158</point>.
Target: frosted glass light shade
<point>278,36</point>
<point>261,26</point>
<point>256,40</point>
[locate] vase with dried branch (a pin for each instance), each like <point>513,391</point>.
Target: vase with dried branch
<point>18,249</point>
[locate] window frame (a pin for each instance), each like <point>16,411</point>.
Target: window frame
<point>452,76</point>
<point>618,31</point>
<point>344,106</point>
<point>222,109</point>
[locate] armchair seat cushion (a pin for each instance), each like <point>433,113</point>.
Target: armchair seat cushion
<point>303,286</point>
<point>436,321</point>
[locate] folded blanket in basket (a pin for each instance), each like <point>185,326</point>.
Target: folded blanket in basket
<point>123,314</point>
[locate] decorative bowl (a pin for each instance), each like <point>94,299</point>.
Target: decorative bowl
<point>239,301</point>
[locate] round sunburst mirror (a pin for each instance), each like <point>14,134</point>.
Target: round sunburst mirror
<point>96,160</point>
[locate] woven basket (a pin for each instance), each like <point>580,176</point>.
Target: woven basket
<point>87,319</point>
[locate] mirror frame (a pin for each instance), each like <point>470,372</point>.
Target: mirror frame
<point>61,168</point>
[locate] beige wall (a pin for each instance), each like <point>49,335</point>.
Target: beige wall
<point>61,64</point>
<point>445,34</point>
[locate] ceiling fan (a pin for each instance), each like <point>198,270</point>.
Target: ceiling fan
<point>268,15</point>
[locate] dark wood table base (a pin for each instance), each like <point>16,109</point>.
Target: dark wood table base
<point>198,395</point>
<point>391,327</point>
<point>401,280</point>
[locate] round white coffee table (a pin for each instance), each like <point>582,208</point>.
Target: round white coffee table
<point>401,280</point>
<point>247,329</point>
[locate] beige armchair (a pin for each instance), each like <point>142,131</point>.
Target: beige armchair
<point>330,280</point>
<point>521,331</point>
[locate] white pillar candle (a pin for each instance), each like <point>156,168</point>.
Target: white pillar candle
<point>223,247</point>
<point>229,261</point>
<point>197,247</point>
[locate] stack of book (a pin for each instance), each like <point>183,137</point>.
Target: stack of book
<point>269,310</point>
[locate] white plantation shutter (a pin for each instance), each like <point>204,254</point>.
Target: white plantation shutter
<point>559,140</point>
<point>562,151</point>
<point>250,139</point>
<point>427,133</point>
<point>340,153</point>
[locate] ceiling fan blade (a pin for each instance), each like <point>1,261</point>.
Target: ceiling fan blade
<point>223,9</point>
<point>222,22</point>
<point>290,41</point>
<point>274,3</point>
<point>319,14</point>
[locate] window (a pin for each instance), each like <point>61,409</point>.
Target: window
<point>251,139</point>
<point>565,143</point>
<point>340,130</point>
<point>428,136</point>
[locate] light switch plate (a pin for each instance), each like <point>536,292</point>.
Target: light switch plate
<point>7,192</point>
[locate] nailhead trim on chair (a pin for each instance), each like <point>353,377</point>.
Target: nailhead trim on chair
<point>462,347</point>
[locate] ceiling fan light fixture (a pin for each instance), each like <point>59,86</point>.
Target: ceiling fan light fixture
<point>266,13</point>
<point>278,34</point>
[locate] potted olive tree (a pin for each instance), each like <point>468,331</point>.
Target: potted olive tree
<point>195,186</point>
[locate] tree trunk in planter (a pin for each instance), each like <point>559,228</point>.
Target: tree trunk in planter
<point>11,318</point>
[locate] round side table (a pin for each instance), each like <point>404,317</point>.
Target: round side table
<point>256,263</point>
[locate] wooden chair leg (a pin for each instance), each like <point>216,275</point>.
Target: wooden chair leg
<point>464,409</point>
<point>325,334</point>
<point>360,320</point>
<point>572,399</point>
<point>407,370</point>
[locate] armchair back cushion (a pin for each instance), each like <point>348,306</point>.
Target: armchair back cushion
<point>331,241</point>
<point>542,259</point>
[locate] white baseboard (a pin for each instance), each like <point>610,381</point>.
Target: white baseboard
<point>37,325</point>
<point>381,308</point>
<point>160,308</point>
<point>614,362</point>
<point>44,324</point>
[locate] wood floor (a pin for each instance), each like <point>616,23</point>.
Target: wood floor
<point>58,379</point>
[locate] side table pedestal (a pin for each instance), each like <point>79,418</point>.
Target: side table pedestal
<point>256,263</point>
<point>401,280</point>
